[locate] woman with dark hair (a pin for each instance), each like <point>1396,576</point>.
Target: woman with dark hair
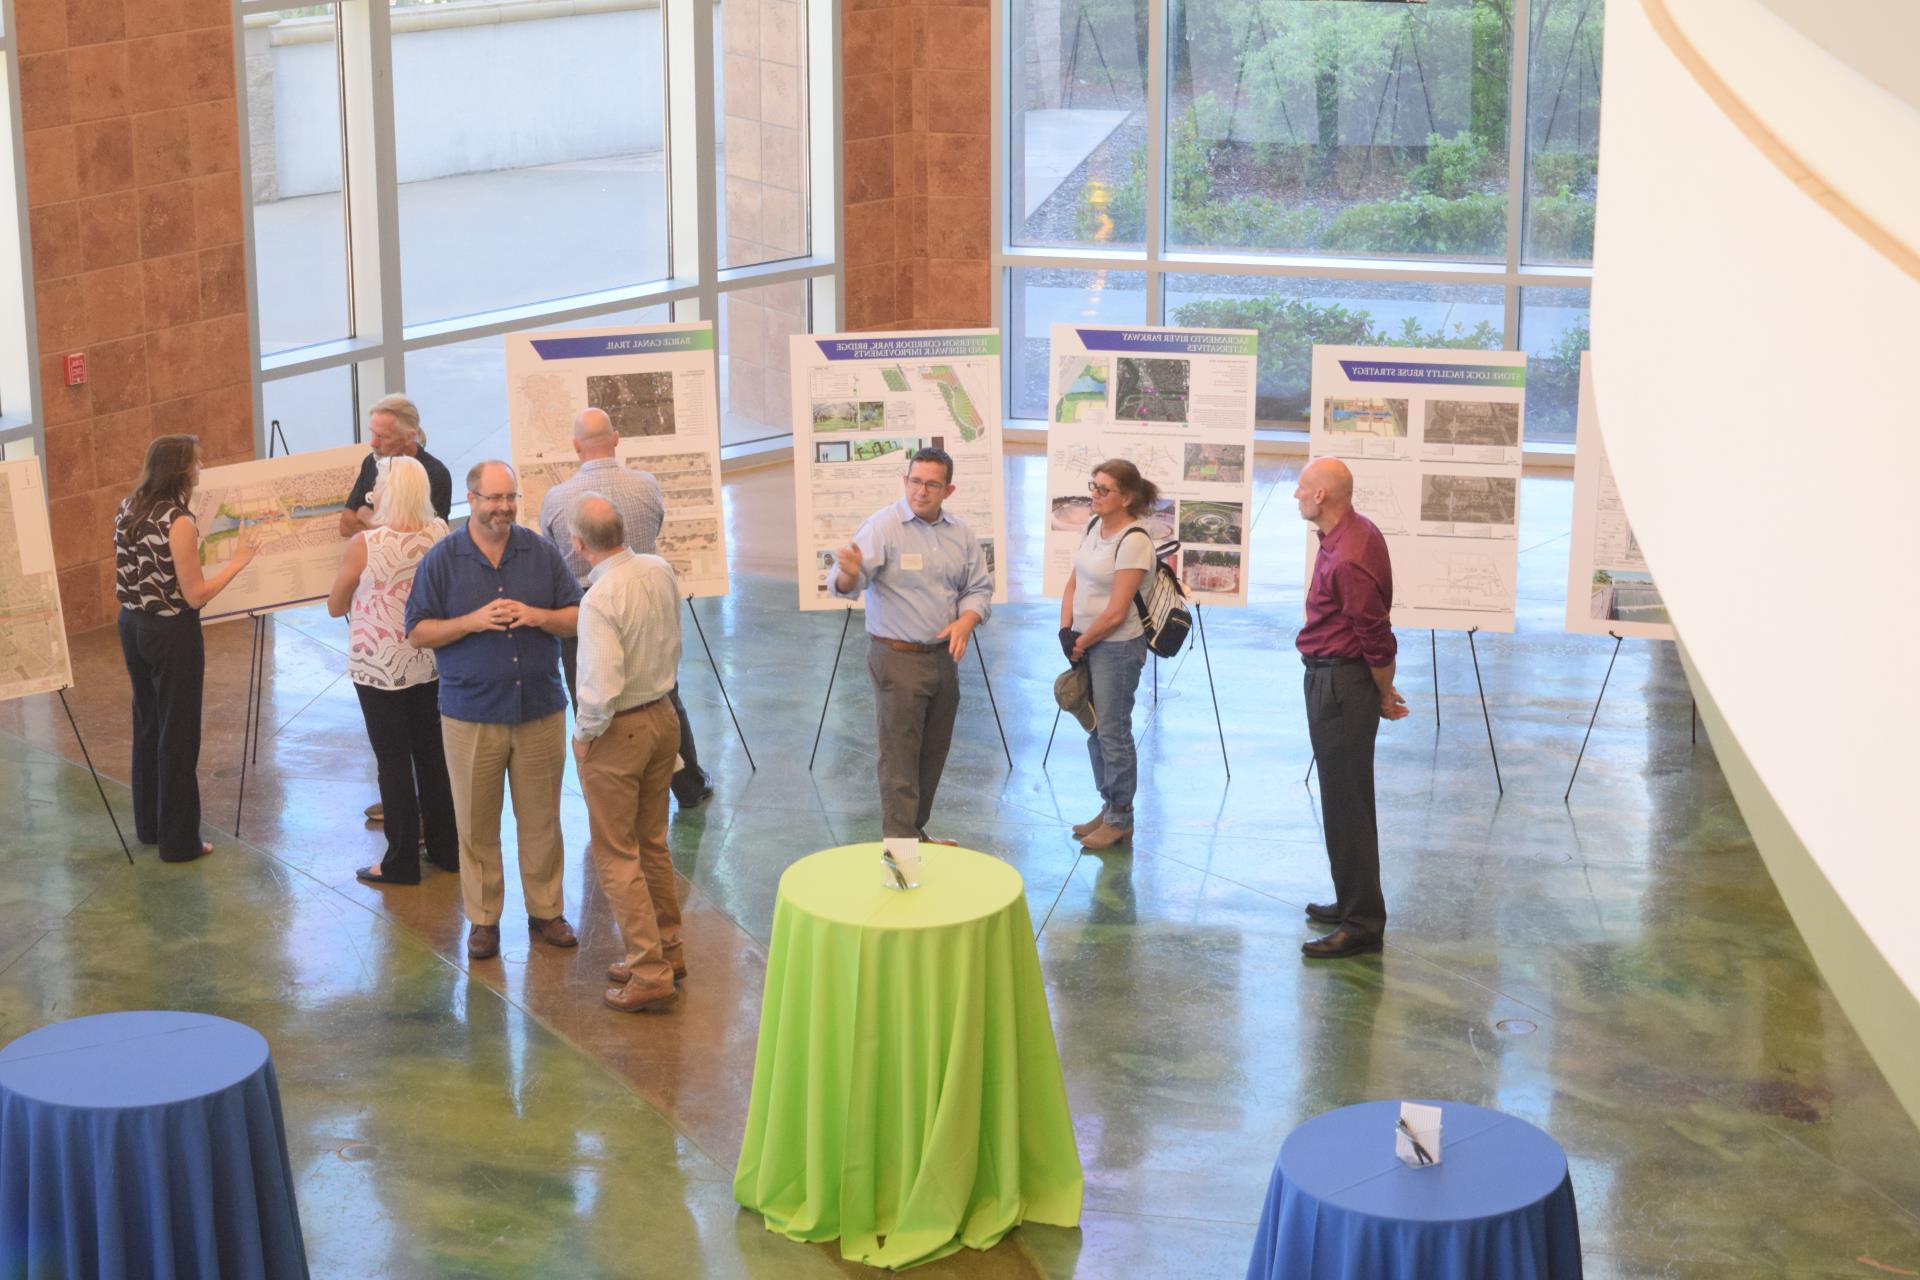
<point>1100,626</point>
<point>157,579</point>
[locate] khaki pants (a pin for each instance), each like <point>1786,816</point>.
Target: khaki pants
<point>532,757</point>
<point>625,773</point>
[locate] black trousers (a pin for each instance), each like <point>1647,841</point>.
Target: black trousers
<point>1343,718</point>
<point>167,664</point>
<point>404,727</point>
<point>688,783</point>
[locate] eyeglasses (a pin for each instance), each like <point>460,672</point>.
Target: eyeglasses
<point>1097,489</point>
<point>928,485</point>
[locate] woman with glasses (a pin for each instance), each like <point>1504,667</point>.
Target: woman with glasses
<point>398,685</point>
<point>1100,626</point>
<point>157,578</point>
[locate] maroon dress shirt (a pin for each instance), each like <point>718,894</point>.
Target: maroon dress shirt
<point>1350,599</point>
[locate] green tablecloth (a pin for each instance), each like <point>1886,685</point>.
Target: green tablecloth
<point>906,1087</point>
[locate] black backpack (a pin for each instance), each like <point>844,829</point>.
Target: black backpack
<point>1162,600</point>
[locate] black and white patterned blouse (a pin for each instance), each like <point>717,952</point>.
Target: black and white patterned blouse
<point>143,574</point>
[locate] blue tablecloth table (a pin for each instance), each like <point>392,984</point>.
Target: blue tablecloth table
<point>144,1144</point>
<point>1341,1206</point>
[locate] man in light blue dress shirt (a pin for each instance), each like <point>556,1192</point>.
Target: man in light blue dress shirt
<point>928,587</point>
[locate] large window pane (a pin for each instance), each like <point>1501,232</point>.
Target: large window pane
<point>756,397</point>
<point>1339,128</point>
<point>761,81</point>
<point>299,213</point>
<point>1293,315</point>
<point>530,152</point>
<point>1042,298</point>
<point>1078,145</point>
<point>1563,129</point>
<point>314,410</point>
<point>1553,333</point>
<point>461,389</point>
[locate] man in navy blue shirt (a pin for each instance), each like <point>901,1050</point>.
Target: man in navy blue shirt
<point>492,602</point>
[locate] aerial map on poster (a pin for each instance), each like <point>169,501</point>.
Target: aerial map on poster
<point>862,403</point>
<point>1178,404</point>
<point>294,504</point>
<point>33,638</point>
<point>1434,441</point>
<point>1609,588</point>
<point>658,385</point>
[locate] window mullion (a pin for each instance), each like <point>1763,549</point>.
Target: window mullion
<point>1156,231</point>
<point>1517,165</point>
<point>373,193</point>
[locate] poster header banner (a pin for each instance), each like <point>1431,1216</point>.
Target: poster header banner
<point>912,347</point>
<point>1172,342</point>
<point>601,345</point>
<point>1453,375</point>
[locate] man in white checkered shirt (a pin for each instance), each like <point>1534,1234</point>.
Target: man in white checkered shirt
<point>636,496</point>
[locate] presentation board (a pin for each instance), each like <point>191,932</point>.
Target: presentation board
<point>33,635</point>
<point>1609,588</point>
<point>659,386</point>
<point>294,504</point>
<point>1179,405</point>
<point>862,404</point>
<point>1434,439</point>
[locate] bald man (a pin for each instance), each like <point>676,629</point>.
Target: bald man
<point>636,496</point>
<point>624,739</point>
<point>1348,647</point>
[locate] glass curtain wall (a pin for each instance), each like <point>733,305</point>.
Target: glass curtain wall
<point>1356,172</point>
<point>429,175</point>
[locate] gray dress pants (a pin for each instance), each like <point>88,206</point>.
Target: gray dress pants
<point>1343,718</point>
<point>915,696</point>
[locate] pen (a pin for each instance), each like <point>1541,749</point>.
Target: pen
<point>1418,1150</point>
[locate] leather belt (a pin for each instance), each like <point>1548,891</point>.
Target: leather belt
<point>627,711</point>
<point>908,646</point>
<point>1313,663</point>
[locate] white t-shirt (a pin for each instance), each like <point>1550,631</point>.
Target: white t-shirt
<point>1093,567</point>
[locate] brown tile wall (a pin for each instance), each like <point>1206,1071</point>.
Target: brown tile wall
<point>915,107</point>
<point>133,187</point>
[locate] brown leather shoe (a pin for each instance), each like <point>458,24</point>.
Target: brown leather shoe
<point>1105,837</point>
<point>635,997</point>
<point>1324,912</point>
<point>1088,827</point>
<point>617,972</point>
<point>555,932</point>
<point>1339,944</point>
<point>483,942</point>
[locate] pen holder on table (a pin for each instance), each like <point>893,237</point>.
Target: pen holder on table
<point>1416,1135</point>
<point>900,862</point>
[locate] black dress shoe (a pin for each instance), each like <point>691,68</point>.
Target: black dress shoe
<point>1339,943</point>
<point>692,787</point>
<point>1324,912</point>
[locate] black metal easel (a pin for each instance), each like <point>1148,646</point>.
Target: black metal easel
<point>250,718</point>
<point>1207,658</point>
<point>88,757</point>
<point>1434,647</point>
<point>702,633</point>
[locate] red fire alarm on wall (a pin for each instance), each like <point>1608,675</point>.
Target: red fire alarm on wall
<point>76,363</point>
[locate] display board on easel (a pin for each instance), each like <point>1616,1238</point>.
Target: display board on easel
<point>1434,440</point>
<point>659,386</point>
<point>33,632</point>
<point>1610,590</point>
<point>862,404</point>
<point>1179,405</point>
<point>293,504</point>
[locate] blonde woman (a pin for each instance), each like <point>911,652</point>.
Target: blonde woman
<point>398,685</point>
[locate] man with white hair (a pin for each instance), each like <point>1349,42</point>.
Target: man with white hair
<point>636,496</point>
<point>624,740</point>
<point>1348,648</point>
<point>394,431</point>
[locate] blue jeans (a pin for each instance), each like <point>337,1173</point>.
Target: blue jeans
<point>1115,666</point>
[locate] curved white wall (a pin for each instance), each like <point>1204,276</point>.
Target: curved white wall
<point>1757,366</point>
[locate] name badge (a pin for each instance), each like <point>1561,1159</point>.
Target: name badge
<point>911,562</point>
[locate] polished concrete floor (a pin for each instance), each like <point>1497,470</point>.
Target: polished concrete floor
<point>1618,970</point>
